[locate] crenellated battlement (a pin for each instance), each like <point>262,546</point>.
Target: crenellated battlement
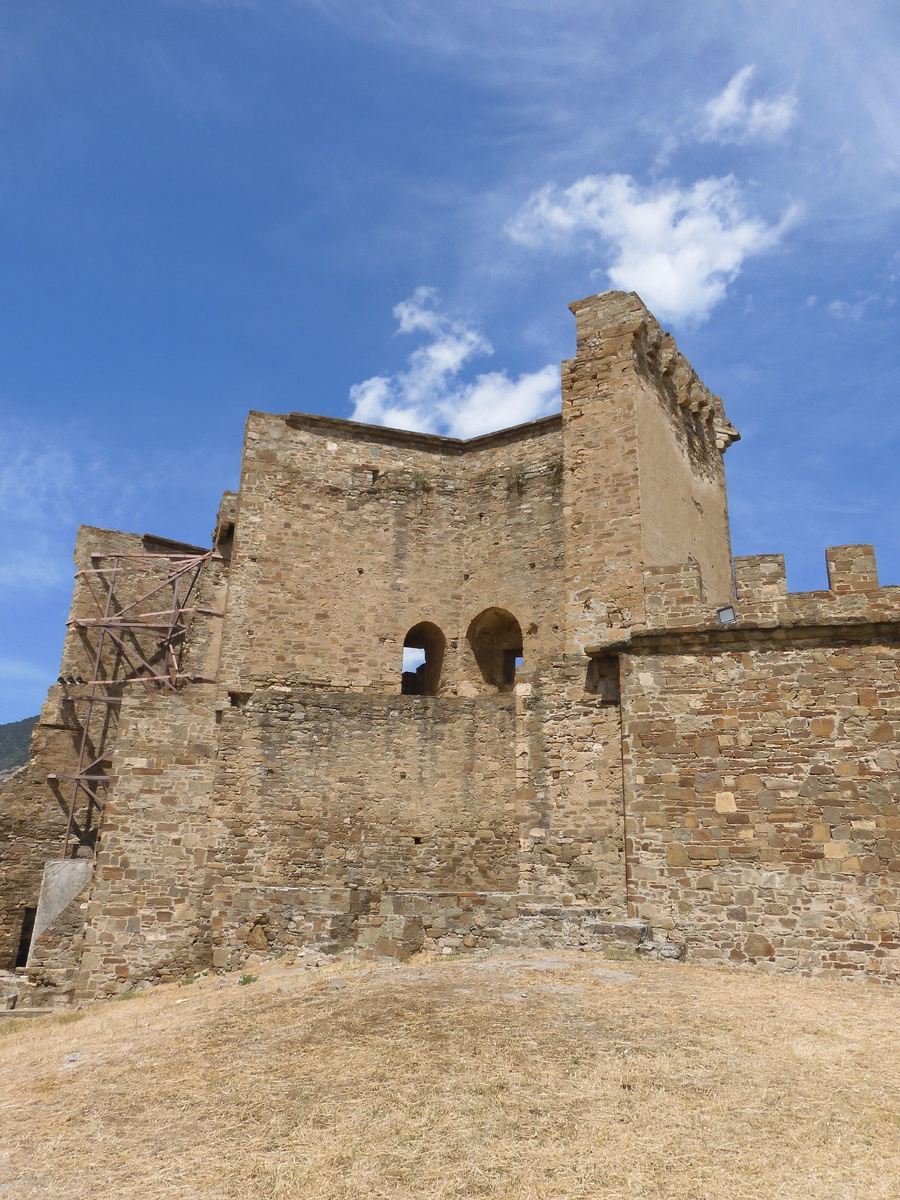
<point>853,595</point>
<point>851,569</point>
<point>615,330</point>
<point>675,598</point>
<point>663,364</point>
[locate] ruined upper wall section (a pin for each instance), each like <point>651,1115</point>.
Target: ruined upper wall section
<point>349,535</point>
<point>604,322</point>
<point>435,443</point>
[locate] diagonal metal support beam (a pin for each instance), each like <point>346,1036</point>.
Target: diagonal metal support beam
<point>138,618</point>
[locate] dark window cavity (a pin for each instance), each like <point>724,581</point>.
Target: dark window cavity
<point>423,657</point>
<point>496,640</point>
<point>603,678</point>
<point>25,936</point>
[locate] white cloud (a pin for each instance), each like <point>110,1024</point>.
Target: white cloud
<point>843,310</point>
<point>733,117</point>
<point>430,398</point>
<point>412,659</point>
<point>34,481</point>
<point>679,249</point>
<point>37,487</point>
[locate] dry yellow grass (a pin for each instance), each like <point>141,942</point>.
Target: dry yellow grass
<point>531,1078</point>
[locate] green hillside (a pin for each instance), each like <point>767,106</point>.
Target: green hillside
<point>14,739</point>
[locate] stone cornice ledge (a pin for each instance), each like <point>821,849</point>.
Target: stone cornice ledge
<point>717,639</point>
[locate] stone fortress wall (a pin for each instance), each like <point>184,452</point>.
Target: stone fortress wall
<point>587,754</point>
<point>761,776</point>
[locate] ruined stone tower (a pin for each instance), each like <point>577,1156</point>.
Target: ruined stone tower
<point>603,741</point>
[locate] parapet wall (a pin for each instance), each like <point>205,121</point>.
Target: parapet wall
<point>677,598</point>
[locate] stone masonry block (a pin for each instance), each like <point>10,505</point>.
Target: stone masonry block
<point>298,789</point>
<point>851,569</point>
<point>673,593</point>
<point>760,578</point>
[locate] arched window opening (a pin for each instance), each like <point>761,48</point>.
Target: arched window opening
<point>423,657</point>
<point>496,640</point>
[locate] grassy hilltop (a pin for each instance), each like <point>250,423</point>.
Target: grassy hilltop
<point>536,1077</point>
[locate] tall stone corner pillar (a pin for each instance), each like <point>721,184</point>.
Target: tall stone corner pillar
<point>601,482</point>
<point>644,480</point>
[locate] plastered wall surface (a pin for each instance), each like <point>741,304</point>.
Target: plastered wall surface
<point>598,758</point>
<point>58,936</point>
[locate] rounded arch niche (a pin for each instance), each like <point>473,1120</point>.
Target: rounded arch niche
<point>422,671</point>
<point>496,640</point>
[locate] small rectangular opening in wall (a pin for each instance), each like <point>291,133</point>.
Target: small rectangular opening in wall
<point>511,660</point>
<point>25,936</point>
<point>603,679</point>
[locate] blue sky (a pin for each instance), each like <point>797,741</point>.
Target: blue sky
<point>383,208</point>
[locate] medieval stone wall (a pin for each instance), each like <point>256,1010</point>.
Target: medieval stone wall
<point>376,792</point>
<point>34,803</point>
<point>570,789</point>
<point>303,815</point>
<point>148,915</point>
<point>518,793</point>
<point>764,800</point>
<point>733,787</point>
<point>761,770</point>
<point>33,807</point>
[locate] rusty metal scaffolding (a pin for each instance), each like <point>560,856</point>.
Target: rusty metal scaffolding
<point>119,658</point>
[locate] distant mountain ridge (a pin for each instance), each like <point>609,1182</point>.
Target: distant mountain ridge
<point>14,741</point>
